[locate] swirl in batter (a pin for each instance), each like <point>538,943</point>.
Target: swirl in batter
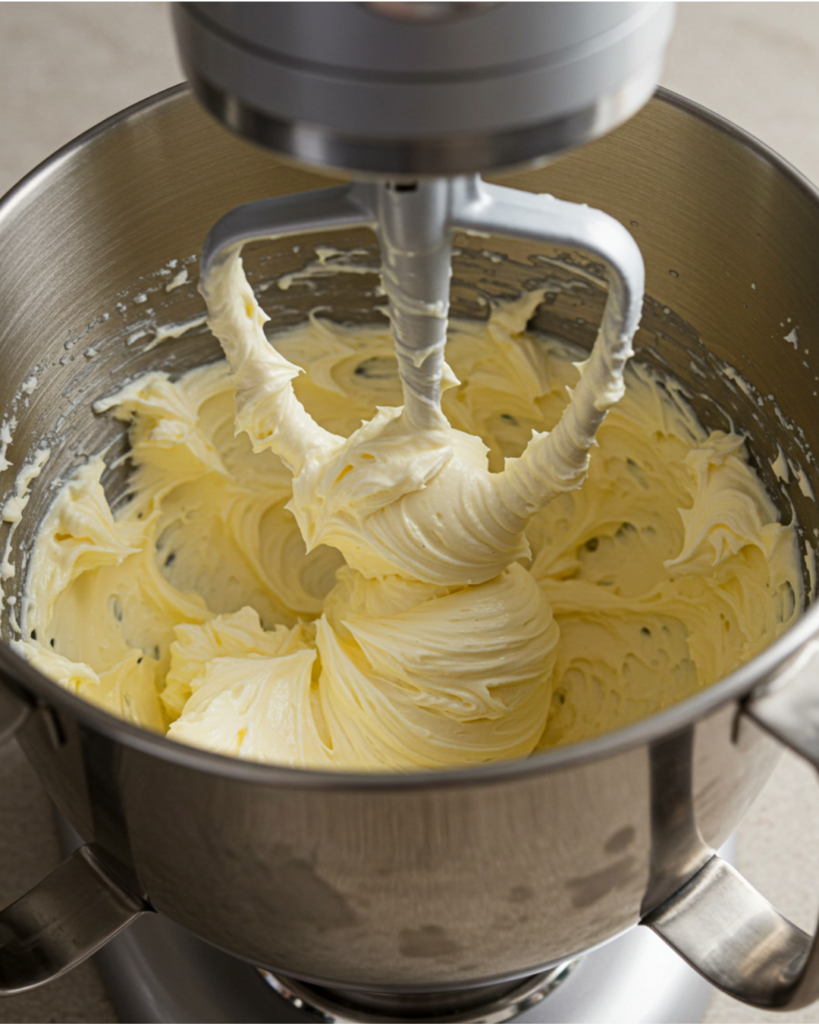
<point>315,585</point>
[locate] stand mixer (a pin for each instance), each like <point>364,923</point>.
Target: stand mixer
<point>262,861</point>
<point>416,99</point>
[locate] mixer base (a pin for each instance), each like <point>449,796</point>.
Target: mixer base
<point>497,1003</point>
<point>157,971</point>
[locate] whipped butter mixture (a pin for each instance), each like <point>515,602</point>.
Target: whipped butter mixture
<point>286,584</point>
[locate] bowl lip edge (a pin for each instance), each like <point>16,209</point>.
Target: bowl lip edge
<point>727,127</point>
<point>20,190</point>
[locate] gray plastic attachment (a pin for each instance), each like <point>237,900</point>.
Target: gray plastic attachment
<point>415,225</point>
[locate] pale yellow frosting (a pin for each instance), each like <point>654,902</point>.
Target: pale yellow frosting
<point>448,623</point>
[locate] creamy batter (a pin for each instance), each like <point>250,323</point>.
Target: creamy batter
<point>446,612</point>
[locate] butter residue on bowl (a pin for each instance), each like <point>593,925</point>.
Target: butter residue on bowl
<point>197,610</point>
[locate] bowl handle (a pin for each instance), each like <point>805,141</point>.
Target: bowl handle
<point>717,921</point>
<point>74,911</point>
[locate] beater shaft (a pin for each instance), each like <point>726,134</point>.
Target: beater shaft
<point>416,253</point>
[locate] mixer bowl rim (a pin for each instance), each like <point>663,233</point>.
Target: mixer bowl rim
<point>734,687</point>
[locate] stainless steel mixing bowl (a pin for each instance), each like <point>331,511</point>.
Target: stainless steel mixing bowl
<point>434,881</point>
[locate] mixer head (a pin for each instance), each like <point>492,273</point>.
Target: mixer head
<point>409,89</point>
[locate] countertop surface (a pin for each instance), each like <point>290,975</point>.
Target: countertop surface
<point>66,66</point>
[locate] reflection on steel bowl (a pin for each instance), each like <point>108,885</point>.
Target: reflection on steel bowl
<point>327,876</point>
